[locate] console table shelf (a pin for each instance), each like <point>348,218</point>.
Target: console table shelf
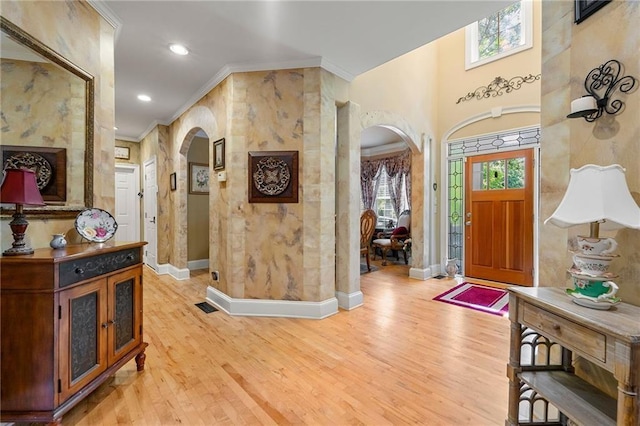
<point>579,400</point>
<point>548,331</point>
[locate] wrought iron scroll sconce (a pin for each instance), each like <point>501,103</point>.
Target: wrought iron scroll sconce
<point>601,84</point>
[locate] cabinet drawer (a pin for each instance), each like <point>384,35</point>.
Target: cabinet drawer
<point>567,333</point>
<point>85,268</point>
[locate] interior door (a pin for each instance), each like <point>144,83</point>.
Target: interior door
<point>127,213</point>
<point>499,217</point>
<point>150,213</point>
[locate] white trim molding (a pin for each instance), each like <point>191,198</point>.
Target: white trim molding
<point>168,269</point>
<point>492,113</point>
<point>350,301</point>
<point>271,308</point>
<point>193,265</point>
<point>421,274</point>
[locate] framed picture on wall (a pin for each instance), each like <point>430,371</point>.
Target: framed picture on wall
<point>273,177</point>
<point>198,178</point>
<point>50,165</point>
<point>586,8</point>
<point>218,154</point>
<point>122,152</point>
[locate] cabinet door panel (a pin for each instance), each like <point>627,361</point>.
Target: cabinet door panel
<point>83,345</point>
<point>125,313</point>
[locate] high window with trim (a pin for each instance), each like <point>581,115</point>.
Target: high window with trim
<point>504,33</point>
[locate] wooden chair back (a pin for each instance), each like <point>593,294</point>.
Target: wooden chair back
<point>367,227</point>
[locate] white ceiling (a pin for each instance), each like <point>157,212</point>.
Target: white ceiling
<point>347,38</point>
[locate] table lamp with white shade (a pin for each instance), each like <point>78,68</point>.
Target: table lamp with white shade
<point>599,196</point>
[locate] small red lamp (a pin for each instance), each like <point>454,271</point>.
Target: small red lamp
<point>19,186</point>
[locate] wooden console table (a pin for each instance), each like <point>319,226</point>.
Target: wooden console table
<point>547,330</point>
<point>70,318</point>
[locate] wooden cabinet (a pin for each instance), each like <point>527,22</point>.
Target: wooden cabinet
<point>70,318</point>
<point>548,331</point>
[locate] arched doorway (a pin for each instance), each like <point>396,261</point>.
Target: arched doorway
<point>198,202</point>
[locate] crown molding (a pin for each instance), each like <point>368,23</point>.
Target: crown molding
<point>389,148</point>
<point>108,15</point>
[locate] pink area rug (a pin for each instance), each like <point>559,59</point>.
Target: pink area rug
<point>486,299</point>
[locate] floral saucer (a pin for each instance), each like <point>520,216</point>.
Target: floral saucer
<point>96,225</point>
<point>591,302</point>
<point>577,273</point>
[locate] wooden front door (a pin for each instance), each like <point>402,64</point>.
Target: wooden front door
<point>499,217</point>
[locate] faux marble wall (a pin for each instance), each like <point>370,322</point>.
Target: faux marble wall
<point>569,52</point>
<point>156,145</point>
<point>77,32</point>
<point>280,251</point>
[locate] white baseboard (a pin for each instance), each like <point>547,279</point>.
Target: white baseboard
<point>271,308</point>
<point>193,265</point>
<point>350,301</point>
<point>177,273</point>
<point>421,274</point>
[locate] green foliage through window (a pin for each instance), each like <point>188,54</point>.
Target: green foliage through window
<point>500,32</point>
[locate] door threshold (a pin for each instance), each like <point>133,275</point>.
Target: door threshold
<point>487,283</point>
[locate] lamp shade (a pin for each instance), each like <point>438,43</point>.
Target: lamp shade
<point>597,194</point>
<point>19,186</point>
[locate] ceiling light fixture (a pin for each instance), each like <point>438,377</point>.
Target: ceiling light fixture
<point>144,98</point>
<point>179,49</point>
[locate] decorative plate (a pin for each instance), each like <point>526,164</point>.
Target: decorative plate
<point>32,161</point>
<point>96,225</point>
<point>272,176</point>
<point>590,302</point>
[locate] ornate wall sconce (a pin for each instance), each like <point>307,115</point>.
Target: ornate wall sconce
<point>601,84</point>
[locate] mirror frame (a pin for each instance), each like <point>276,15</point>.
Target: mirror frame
<point>43,50</point>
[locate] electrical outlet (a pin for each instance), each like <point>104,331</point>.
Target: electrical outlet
<point>215,275</point>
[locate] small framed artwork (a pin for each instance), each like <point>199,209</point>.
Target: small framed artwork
<point>198,178</point>
<point>172,181</point>
<point>273,176</point>
<point>122,152</point>
<point>586,8</point>
<point>218,154</point>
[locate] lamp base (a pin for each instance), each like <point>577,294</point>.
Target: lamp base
<point>18,227</point>
<point>17,251</point>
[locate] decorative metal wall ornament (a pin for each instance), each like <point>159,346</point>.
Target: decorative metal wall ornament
<point>601,84</point>
<point>273,177</point>
<point>498,86</point>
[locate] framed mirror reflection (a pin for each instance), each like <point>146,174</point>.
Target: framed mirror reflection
<point>47,103</point>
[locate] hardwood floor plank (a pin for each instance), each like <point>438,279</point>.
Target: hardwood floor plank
<point>401,358</point>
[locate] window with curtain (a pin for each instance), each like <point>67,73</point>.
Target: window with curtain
<point>386,187</point>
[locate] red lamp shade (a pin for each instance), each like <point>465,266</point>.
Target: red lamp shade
<point>19,186</point>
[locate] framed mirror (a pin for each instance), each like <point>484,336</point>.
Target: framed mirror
<point>47,122</point>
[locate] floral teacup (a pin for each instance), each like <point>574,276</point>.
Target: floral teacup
<point>602,246</point>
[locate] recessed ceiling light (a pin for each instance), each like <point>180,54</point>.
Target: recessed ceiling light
<point>179,49</point>
<point>144,98</point>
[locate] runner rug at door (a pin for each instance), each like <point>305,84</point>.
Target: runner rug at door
<point>486,299</point>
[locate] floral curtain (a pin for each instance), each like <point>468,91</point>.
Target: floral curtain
<point>397,168</point>
<point>369,181</point>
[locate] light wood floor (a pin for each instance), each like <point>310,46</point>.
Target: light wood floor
<point>402,358</point>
